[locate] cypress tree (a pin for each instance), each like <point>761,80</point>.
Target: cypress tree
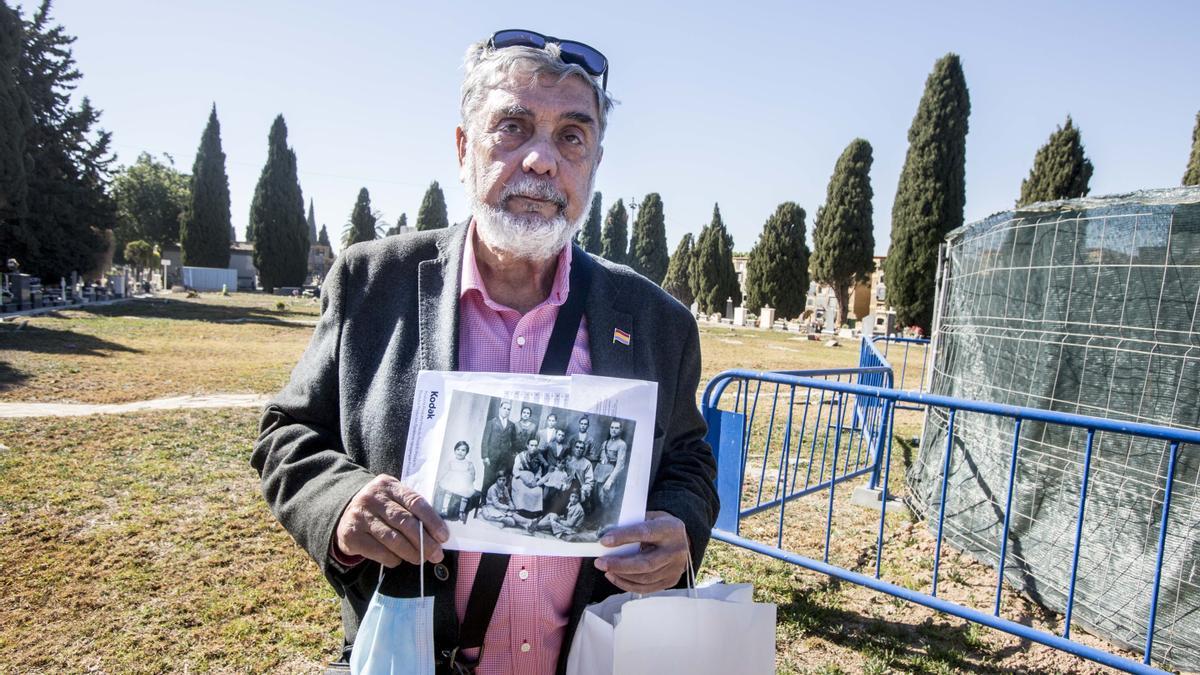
<point>1060,169</point>
<point>362,222</point>
<point>616,233</point>
<point>589,237</point>
<point>930,194</point>
<point>59,224</point>
<point>323,237</point>
<point>1192,175</point>
<point>277,216</point>
<point>648,253</point>
<point>401,223</point>
<point>312,224</point>
<point>678,281</point>
<point>204,230</point>
<point>432,214</point>
<point>843,232</point>
<point>716,277</point>
<point>777,271</point>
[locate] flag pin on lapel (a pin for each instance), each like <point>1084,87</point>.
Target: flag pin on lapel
<point>620,337</point>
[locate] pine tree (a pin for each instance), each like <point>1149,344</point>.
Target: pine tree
<point>432,214</point>
<point>615,236</point>
<point>323,237</point>
<point>66,209</point>
<point>362,225</point>
<point>843,232</point>
<point>716,277</point>
<point>204,231</point>
<point>931,192</point>
<point>777,271</point>
<point>1192,175</point>
<point>15,120</point>
<point>1060,169</point>
<point>312,224</point>
<point>277,216</point>
<point>589,237</point>
<point>678,281</point>
<point>648,253</point>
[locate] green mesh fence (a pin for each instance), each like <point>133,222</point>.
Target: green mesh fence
<point>1085,306</point>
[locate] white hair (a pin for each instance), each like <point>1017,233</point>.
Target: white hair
<point>486,68</point>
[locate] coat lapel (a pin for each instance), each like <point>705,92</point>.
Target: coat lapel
<point>604,317</point>
<point>438,287</point>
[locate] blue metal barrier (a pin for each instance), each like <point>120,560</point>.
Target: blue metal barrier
<point>919,348</point>
<point>854,407</point>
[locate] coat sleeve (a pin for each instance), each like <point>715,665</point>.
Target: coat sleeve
<point>307,478</point>
<point>685,484</point>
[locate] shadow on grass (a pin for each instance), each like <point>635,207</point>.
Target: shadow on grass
<point>38,340</point>
<point>10,377</point>
<point>927,647</point>
<point>171,308</point>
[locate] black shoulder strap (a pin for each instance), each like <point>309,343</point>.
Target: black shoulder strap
<point>485,590</point>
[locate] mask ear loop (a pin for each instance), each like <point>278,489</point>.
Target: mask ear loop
<point>421,547</point>
<point>420,565</point>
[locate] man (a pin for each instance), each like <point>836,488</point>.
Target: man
<point>556,448</point>
<point>499,444</point>
<point>550,431</point>
<point>583,435</point>
<point>484,296</point>
<point>610,474</point>
<point>581,471</point>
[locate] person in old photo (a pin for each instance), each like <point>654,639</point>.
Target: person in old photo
<point>499,444</point>
<point>506,290</point>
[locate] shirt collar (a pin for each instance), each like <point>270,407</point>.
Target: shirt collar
<point>472,280</point>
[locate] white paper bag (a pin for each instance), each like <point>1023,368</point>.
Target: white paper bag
<point>716,629</point>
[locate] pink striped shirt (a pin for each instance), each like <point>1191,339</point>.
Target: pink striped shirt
<point>529,624</point>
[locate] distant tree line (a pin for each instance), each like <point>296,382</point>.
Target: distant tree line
<point>63,208</point>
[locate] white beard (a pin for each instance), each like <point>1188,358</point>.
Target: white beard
<point>527,236</point>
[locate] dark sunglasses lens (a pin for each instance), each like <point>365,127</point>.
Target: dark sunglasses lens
<point>518,38</point>
<point>591,60</point>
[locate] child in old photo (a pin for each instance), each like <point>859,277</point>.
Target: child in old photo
<point>457,484</point>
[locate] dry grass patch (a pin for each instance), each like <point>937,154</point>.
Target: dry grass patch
<point>140,543</point>
<point>150,348</point>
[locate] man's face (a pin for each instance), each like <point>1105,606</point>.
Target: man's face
<point>559,435</point>
<point>532,445</point>
<point>583,425</point>
<point>540,141</point>
<point>614,429</point>
<point>505,409</point>
<point>551,421</point>
<point>578,449</point>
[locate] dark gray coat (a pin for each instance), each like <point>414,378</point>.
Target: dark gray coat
<point>389,308</point>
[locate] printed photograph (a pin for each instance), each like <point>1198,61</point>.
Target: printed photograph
<point>513,468</point>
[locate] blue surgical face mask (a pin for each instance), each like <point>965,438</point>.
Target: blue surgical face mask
<point>395,636</point>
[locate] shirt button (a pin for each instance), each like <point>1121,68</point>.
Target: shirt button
<point>525,647</point>
<point>524,574</point>
<point>520,340</point>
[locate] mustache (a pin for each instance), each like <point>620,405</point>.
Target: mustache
<point>533,188</point>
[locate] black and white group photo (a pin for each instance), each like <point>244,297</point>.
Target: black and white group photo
<point>532,470</point>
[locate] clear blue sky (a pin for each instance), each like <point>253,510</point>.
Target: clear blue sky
<point>747,104</point>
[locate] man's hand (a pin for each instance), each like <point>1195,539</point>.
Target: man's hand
<point>658,565</point>
<point>382,522</point>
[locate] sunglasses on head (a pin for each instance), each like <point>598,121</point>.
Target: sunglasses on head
<point>588,58</point>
